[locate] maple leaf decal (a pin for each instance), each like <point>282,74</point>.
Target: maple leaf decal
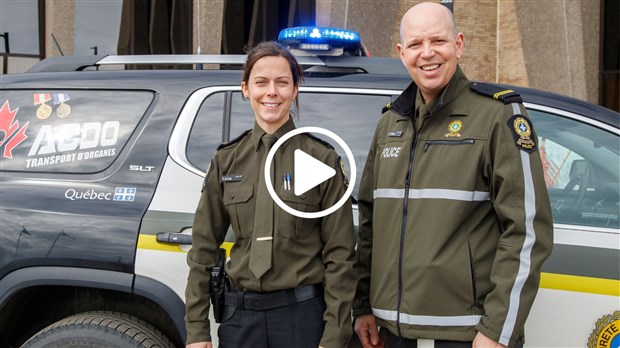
<point>10,133</point>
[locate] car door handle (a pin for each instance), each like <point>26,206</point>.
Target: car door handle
<point>174,238</point>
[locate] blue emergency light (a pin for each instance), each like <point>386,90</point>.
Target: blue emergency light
<point>322,41</point>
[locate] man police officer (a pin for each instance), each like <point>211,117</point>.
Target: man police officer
<point>455,228</point>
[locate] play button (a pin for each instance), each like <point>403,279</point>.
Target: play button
<point>309,172</point>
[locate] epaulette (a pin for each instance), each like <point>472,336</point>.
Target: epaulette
<point>223,145</point>
<point>386,108</point>
<point>506,96</point>
<point>322,141</point>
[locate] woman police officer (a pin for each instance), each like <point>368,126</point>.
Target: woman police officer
<point>292,279</point>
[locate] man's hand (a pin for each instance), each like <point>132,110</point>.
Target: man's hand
<point>200,345</point>
<point>482,341</point>
<point>367,331</point>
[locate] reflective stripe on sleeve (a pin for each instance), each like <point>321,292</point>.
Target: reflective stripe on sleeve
<point>456,195</point>
<point>525,257</point>
<point>459,320</point>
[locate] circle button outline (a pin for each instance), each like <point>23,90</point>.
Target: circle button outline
<point>280,202</point>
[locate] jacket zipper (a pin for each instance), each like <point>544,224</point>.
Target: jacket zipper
<point>414,143</point>
<point>447,142</point>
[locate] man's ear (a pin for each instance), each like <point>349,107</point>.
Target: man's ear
<point>460,45</point>
<point>401,52</point>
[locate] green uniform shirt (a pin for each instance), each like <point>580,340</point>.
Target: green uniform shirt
<point>305,251</point>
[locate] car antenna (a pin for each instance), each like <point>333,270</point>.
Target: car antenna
<point>57,44</point>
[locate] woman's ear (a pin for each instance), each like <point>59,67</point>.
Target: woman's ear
<point>244,89</point>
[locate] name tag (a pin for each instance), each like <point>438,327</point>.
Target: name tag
<point>395,133</point>
<point>232,178</point>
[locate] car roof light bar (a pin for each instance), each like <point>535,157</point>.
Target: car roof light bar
<point>319,35</point>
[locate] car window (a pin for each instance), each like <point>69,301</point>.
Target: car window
<point>67,131</point>
<point>582,170</point>
<point>353,117</point>
<point>207,130</point>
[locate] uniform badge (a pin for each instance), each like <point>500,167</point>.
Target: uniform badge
<point>606,332</point>
<point>232,178</point>
<point>522,133</point>
<point>453,129</point>
<point>395,134</point>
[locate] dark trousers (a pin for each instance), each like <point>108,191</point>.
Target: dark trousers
<point>296,325</point>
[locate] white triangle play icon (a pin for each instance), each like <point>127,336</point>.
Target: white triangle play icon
<point>309,172</point>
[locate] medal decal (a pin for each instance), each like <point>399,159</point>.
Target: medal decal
<point>44,111</point>
<point>63,109</point>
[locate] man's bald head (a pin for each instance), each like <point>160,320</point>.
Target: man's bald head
<point>428,9</point>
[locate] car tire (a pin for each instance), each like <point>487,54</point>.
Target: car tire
<point>99,329</point>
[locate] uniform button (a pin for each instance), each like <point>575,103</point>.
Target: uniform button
<point>303,196</point>
<point>232,196</point>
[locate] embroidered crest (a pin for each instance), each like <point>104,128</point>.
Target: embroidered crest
<point>454,127</point>
<point>606,332</point>
<point>522,133</point>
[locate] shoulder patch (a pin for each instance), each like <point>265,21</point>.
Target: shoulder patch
<point>506,96</point>
<point>523,133</point>
<point>223,145</point>
<point>386,108</point>
<point>327,144</point>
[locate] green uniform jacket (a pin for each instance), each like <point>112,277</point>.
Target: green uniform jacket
<point>455,221</point>
<point>305,251</point>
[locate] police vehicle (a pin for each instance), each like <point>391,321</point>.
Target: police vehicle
<point>101,170</point>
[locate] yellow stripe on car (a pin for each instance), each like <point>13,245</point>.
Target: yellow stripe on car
<point>548,280</point>
<point>149,242</point>
<point>580,284</point>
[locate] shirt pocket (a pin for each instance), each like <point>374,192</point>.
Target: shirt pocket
<point>292,226</point>
<point>240,206</point>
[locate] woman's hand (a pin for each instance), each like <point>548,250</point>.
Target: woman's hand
<point>200,345</point>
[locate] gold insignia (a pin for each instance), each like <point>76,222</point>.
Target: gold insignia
<point>454,127</point>
<point>499,94</point>
<point>606,331</point>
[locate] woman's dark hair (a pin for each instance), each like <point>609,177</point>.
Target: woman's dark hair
<point>273,49</point>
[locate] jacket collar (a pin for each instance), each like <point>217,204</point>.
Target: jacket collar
<point>405,106</point>
<point>258,132</point>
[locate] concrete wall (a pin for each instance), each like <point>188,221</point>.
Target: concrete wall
<point>60,21</point>
<point>207,24</point>
<point>561,44</point>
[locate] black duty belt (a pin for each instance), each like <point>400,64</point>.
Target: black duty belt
<point>262,301</point>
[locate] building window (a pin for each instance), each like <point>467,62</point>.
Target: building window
<point>19,30</point>
<point>97,24</point>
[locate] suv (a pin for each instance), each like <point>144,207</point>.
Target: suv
<point>101,173</point>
